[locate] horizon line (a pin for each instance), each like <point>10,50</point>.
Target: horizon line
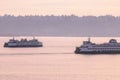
<point>57,15</point>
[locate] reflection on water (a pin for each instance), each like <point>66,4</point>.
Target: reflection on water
<point>57,61</point>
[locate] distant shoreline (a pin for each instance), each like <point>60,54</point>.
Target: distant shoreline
<point>60,26</point>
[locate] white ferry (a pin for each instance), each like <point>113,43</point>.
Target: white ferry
<point>23,43</point>
<point>88,47</point>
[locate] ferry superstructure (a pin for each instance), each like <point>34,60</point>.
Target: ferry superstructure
<point>23,43</point>
<point>88,47</point>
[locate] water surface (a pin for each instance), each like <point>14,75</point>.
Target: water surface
<point>57,61</point>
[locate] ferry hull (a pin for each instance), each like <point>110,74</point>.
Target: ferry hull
<point>78,51</point>
<point>97,52</point>
<point>17,46</point>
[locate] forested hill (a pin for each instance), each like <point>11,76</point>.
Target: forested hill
<point>59,26</point>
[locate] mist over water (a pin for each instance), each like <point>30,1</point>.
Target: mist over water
<point>56,61</point>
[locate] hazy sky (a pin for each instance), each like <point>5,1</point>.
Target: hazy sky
<point>60,7</point>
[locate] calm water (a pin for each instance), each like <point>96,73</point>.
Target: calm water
<point>57,61</point>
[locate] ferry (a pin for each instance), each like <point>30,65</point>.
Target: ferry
<point>23,43</point>
<point>88,47</point>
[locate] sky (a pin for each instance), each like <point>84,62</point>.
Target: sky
<point>60,7</point>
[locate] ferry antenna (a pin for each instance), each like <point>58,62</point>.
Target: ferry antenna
<point>89,39</point>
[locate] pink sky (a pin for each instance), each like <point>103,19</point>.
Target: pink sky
<point>60,7</point>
